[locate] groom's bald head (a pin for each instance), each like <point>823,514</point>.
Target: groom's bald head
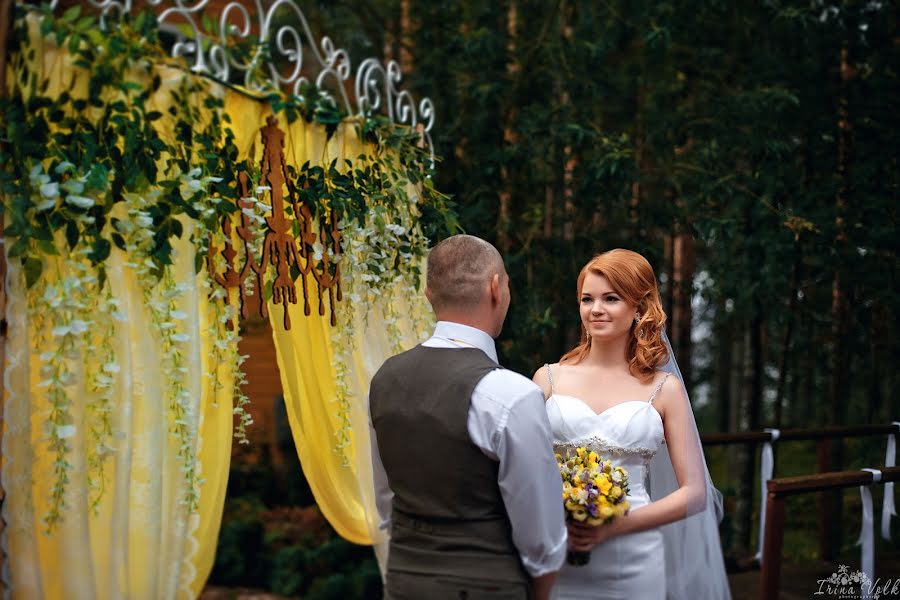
<point>460,269</point>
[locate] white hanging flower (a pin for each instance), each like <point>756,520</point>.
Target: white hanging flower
<point>50,190</point>
<point>111,367</point>
<point>317,251</point>
<point>64,167</point>
<point>178,315</point>
<point>65,431</point>
<point>103,381</point>
<point>180,337</point>
<point>36,175</point>
<point>79,201</point>
<point>78,326</point>
<point>73,186</point>
<point>61,330</point>
<point>104,450</point>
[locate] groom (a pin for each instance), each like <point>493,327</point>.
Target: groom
<point>464,470</point>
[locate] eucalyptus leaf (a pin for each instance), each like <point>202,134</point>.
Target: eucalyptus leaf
<point>33,267</point>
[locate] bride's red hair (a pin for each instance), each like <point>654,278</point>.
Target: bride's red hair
<point>632,277</point>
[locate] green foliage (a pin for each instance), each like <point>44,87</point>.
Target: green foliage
<point>627,124</point>
<point>241,557</point>
<point>101,143</point>
<point>291,552</point>
<point>91,164</point>
<point>106,144</point>
<point>730,129</point>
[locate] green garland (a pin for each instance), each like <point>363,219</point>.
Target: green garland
<point>89,169</point>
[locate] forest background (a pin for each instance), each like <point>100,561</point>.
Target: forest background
<point>747,149</point>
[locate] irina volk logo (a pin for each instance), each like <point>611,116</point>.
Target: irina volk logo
<point>844,584</point>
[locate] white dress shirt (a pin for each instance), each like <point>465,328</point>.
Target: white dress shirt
<point>508,422</point>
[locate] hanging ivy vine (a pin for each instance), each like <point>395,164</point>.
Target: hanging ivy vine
<point>93,166</point>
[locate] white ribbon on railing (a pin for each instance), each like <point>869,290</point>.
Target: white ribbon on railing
<point>887,507</point>
<point>766,468</point>
<point>867,534</point>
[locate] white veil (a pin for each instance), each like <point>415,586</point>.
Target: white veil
<point>695,568</point>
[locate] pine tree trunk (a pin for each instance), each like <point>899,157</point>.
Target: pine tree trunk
<point>723,367</point>
<point>786,342</point>
<point>504,216</point>
<point>840,315</point>
<point>744,455</point>
<point>683,266</point>
<point>406,38</point>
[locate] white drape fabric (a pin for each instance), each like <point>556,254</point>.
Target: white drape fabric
<point>766,470</point>
<point>867,532</point>
<point>141,541</point>
<point>887,508</point>
<point>695,567</point>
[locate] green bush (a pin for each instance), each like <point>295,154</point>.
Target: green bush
<point>241,555</point>
<point>288,576</point>
<point>316,570</point>
<point>291,551</point>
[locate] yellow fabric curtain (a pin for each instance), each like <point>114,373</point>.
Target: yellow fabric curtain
<point>306,357</point>
<point>140,542</point>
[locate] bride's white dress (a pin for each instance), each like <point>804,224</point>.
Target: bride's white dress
<point>629,433</point>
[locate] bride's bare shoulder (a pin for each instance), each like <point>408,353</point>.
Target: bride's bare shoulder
<point>542,377</point>
<point>670,394</point>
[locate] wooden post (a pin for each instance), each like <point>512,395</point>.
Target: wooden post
<point>826,516</point>
<point>6,7</point>
<point>774,537</point>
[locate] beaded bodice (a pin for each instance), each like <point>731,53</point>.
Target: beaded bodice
<point>630,433</point>
<point>628,429</point>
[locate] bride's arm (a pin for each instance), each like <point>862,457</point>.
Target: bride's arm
<point>687,462</point>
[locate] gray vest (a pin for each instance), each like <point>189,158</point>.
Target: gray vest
<point>448,515</point>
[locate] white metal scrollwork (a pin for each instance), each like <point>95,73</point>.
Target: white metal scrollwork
<point>376,85</point>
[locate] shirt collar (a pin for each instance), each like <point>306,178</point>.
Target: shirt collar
<point>467,335</point>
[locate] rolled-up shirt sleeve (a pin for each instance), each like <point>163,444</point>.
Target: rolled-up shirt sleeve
<point>530,484</point>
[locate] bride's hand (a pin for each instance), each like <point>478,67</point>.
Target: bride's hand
<point>583,537</point>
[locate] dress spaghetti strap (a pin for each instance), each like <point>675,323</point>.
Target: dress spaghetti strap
<point>550,377</point>
<point>658,387</point>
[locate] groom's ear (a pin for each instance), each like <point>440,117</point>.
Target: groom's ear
<point>496,292</point>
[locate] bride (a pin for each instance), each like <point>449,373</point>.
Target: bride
<point>619,393</point>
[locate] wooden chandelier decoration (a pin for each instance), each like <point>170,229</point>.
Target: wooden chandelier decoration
<point>280,248</point>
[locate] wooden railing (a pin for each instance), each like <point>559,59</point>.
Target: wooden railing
<point>778,490</point>
<point>822,434</point>
<point>823,438</point>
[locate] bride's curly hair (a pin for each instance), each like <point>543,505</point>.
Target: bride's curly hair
<point>632,277</point>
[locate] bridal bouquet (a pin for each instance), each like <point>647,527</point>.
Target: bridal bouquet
<point>594,491</point>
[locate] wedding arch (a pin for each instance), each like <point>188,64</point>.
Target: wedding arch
<point>160,162</point>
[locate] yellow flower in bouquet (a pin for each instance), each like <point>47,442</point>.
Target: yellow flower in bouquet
<point>594,491</point>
